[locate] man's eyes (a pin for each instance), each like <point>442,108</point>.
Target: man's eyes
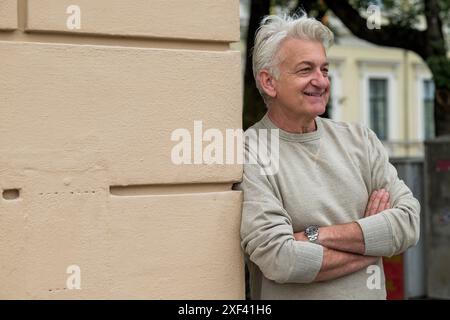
<point>306,70</point>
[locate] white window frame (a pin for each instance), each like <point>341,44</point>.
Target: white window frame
<point>421,76</point>
<point>392,88</point>
<point>336,90</point>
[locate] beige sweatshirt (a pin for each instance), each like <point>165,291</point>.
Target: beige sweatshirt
<point>324,178</point>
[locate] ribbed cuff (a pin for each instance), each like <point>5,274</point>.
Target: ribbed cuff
<point>308,262</point>
<point>378,237</point>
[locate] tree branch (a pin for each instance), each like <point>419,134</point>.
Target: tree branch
<point>435,35</point>
<point>309,5</point>
<point>390,35</point>
<point>254,107</point>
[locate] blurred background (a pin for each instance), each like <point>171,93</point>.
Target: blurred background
<point>390,70</point>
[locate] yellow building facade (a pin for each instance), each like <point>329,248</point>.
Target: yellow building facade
<point>407,93</point>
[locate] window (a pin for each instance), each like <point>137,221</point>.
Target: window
<point>428,108</point>
<point>378,103</point>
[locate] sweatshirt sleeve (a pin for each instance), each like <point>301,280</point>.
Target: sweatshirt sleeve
<point>267,233</point>
<point>394,230</point>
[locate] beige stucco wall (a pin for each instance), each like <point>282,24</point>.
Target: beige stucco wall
<point>8,14</point>
<point>87,116</point>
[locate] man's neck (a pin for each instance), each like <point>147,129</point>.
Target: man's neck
<point>292,124</point>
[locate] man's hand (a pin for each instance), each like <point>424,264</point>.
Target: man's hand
<point>379,201</point>
<point>349,237</point>
<point>338,242</point>
<point>336,264</point>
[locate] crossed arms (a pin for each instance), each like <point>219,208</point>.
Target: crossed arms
<point>344,244</point>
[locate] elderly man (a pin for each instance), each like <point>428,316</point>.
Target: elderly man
<point>311,229</point>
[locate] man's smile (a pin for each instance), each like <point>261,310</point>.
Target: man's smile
<point>314,94</point>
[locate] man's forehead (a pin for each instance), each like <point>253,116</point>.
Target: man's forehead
<point>299,50</point>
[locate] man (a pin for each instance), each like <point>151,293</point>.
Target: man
<point>311,228</point>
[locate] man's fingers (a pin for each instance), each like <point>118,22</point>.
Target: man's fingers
<point>369,205</point>
<point>376,202</point>
<point>388,205</point>
<point>383,202</point>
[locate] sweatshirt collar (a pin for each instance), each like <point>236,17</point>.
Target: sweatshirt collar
<point>296,137</point>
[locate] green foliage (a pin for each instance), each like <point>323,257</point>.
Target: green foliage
<point>440,67</point>
<point>444,5</point>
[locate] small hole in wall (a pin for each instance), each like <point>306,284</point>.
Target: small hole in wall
<point>11,194</point>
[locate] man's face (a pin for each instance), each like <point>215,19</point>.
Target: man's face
<point>303,87</point>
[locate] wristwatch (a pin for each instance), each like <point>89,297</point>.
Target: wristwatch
<point>312,233</point>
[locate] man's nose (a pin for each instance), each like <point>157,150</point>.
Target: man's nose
<point>320,80</point>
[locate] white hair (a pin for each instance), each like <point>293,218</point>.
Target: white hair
<point>271,33</point>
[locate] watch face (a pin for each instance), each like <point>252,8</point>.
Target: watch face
<point>311,230</point>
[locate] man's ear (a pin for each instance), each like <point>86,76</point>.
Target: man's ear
<point>268,83</point>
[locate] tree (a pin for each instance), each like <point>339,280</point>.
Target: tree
<point>401,32</point>
<point>254,107</point>
<point>400,29</point>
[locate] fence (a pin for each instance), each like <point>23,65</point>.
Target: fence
<point>411,171</point>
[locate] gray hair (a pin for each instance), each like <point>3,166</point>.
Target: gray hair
<point>273,30</point>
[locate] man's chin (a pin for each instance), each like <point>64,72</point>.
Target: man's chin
<point>318,109</point>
